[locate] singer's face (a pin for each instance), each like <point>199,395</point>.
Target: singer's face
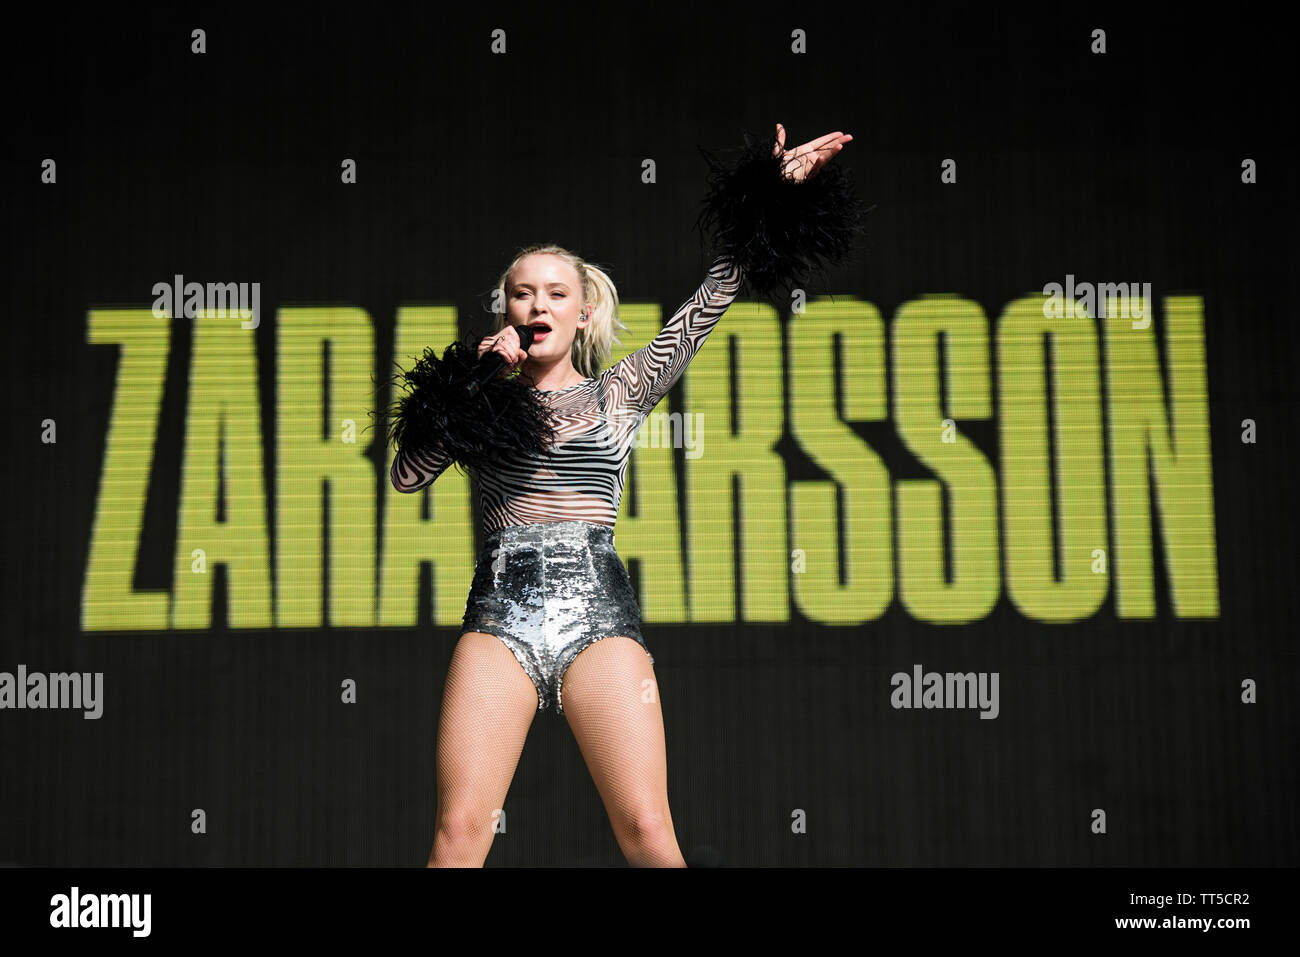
<point>546,289</point>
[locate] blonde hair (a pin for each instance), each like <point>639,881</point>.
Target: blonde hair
<point>594,343</point>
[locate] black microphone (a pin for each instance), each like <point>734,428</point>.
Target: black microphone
<point>493,362</point>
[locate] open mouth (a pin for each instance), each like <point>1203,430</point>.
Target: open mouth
<point>540,331</point>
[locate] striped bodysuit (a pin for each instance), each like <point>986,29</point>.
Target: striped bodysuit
<point>596,426</point>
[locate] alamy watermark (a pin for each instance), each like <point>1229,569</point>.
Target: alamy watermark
<point>217,300</point>
<point>659,430</point>
<point>672,430</point>
<point>77,910</point>
<point>931,689</point>
<point>37,690</point>
<point>1123,300</point>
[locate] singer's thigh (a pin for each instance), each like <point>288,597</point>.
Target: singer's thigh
<point>611,701</point>
<point>488,705</point>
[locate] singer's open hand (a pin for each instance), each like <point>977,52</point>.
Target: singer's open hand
<point>506,342</point>
<point>804,161</point>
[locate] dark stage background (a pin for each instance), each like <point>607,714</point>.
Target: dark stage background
<point>1137,612</point>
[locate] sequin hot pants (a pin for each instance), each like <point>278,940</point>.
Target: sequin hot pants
<point>548,591</point>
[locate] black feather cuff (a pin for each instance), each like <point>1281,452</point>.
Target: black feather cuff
<point>776,230</point>
<point>436,415</point>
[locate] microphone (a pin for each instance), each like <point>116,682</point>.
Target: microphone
<point>493,362</point>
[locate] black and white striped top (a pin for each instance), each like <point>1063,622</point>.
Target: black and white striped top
<point>596,423</point>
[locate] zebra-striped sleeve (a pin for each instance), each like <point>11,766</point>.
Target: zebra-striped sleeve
<point>413,471</point>
<point>650,372</point>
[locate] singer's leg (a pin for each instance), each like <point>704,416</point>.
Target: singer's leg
<point>487,708</point>
<point>611,700</point>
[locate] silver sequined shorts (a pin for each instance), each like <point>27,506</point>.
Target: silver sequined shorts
<point>548,591</point>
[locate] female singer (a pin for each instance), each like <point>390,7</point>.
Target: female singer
<point>551,615</point>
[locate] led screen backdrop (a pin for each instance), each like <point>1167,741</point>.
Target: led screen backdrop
<point>979,551</point>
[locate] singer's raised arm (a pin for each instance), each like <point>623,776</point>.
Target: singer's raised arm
<point>650,372</point>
